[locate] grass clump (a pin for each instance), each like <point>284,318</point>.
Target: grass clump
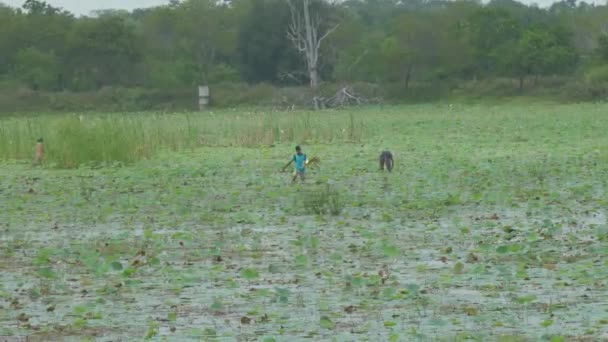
<point>323,200</point>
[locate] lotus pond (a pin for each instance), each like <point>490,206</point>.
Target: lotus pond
<point>492,227</point>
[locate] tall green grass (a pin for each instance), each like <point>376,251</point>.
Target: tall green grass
<point>72,140</point>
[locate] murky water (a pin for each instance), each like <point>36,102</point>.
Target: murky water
<point>127,254</point>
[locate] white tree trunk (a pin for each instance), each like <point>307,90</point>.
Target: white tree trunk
<point>311,52</point>
<point>304,34</point>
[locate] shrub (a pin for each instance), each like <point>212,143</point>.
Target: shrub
<point>229,94</point>
<point>584,91</point>
<point>597,75</point>
<point>323,200</point>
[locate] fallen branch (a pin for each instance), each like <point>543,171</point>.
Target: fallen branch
<point>345,97</point>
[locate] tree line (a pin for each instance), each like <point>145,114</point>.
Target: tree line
<point>402,43</point>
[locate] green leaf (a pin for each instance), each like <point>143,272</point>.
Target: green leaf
<point>558,339</point>
<point>133,282</point>
<point>357,281</point>
<point>80,310</point>
<point>389,293</point>
<point>326,323</point>
<point>436,322</point>
<point>172,316</point>
<point>129,271</point>
<point>182,236</point>
<point>526,299</point>
<point>148,233</point>
<point>336,257</point>
<point>533,236</point>
<point>79,323</point>
<point>47,272</point>
<point>546,323</point>
<point>389,324</point>
<point>301,260</point>
<point>116,265</point>
<point>282,294</point>
<point>272,268</point>
<point>195,333</point>
<point>502,249</point>
<point>42,258</point>
<point>152,330</point>
<point>390,251</point>
<point>412,289</point>
<point>216,305</point>
<point>458,268</point>
<point>249,273</point>
<point>515,248</point>
<point>470,311</point>
<point>96,315</point>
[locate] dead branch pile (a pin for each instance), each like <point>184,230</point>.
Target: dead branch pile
<point>344,97</point>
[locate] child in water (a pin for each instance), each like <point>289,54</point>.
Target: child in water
<point>301,160</point>
<point>39,154</point>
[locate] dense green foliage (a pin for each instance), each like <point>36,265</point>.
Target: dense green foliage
<point>492,227</point>
<point>401,45</point>
<point>74,140</point>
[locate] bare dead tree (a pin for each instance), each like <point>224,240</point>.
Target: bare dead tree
<point>306,32</point>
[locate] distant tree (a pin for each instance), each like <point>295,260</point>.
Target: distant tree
<point>10,24</point>
<point>563,6</point>
<point>492,29</point>
<point>602,48</point>
<point>539,51</point>
<point>35,34</point>
<point>351,51</point>
<point>375,14</point>
<point>206,36</point>
<point>164,65</point>
<point>457,56</point>
<point>307,31</point>
<point>103,52</point>
<point>35,7</point>
<point>262,45</point>
<point>191,42</point>
<point>416,43</point>
<point>37,69</point>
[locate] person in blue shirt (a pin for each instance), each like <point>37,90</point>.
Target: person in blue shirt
<point>300,160</point>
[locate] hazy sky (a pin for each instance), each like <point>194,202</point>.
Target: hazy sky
<point>86,6</point>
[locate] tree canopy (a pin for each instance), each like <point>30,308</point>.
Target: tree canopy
<point>192,42</point>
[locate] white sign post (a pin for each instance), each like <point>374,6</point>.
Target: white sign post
<point>203,97</point>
